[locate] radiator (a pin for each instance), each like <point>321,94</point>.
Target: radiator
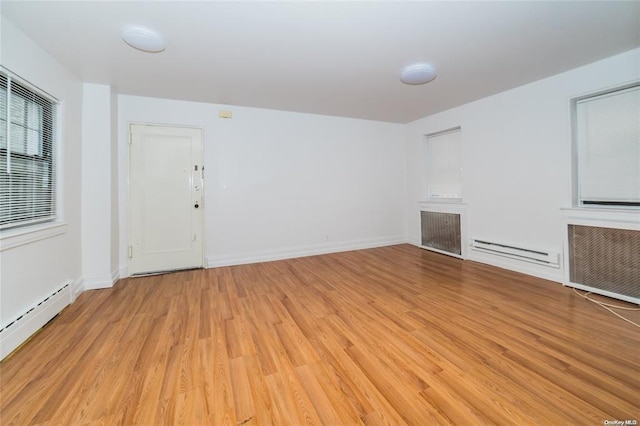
<point>20,329</point>
<point>441,232</point>
<point>605,261</point>
<point>542,257</point>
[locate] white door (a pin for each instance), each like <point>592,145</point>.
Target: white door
<point>165,192</point>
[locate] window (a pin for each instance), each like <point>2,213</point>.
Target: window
<point>27,154</point>
<point>444,164</point>
<point>607,140</point>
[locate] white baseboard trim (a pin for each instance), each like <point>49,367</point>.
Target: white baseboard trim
<point>124,271</point>
<point>18,331</point>
<point>293,252</point>
<point>77,287</point>
<point>104,281</point>
<point>413,241</point>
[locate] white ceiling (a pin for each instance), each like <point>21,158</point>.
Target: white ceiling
<point>334,58</point>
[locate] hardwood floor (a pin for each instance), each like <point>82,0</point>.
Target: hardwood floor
<point>395,335</point>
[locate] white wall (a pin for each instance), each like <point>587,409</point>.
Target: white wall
<point>281,184</point>
<point>33,270</point>
<point>114,213</point>
<point>516,159</point>
<point>97,198</point>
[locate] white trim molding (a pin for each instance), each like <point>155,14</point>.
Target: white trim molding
<point>602,216</point>
<point>123,271</point>
<point>272,255</point>
<point>12,238</point>
<point>77,288</point>
<point>103,281</point>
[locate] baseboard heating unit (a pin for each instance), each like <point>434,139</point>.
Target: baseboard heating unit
<point>541,257</point>
<point>20,329</point>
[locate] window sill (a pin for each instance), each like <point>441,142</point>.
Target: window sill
<point>631,216</point>
<point>455,201</point>
<point>13,238</point>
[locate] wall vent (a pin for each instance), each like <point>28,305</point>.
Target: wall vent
<point>541,257</point>
<point>441,232</point>
<point>605,261</point>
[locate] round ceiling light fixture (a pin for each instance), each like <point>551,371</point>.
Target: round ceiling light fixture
<point>418,74</point>
<point>143,38</point>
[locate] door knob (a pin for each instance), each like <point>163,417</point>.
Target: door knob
<point>196,205</point>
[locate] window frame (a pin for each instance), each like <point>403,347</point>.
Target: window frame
<point>577,199</point>
<point>427,165</point>
<point>48,217</point>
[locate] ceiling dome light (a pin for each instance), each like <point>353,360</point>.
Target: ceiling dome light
<point>144,39</point>
<point>418,74</point>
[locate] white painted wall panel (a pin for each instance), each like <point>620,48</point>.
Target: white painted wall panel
<point>96,185</point>
<point>113,160</point>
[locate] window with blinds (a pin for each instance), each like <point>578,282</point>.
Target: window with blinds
<point>444,164</point>
<point>27,154</point>
<point>608,148</point>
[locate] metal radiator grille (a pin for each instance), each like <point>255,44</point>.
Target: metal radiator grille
<point>605,258</point>
<point>441,231</point>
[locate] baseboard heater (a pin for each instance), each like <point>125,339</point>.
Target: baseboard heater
<point>525,254</point>
<point>20,329</point>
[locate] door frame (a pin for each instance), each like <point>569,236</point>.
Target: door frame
<point>129,195</point>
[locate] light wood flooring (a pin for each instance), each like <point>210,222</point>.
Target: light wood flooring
<point>394,335</point>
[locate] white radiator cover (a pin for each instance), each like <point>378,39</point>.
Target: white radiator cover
<point>19,330</point>
<point>602,252</point>
<point>441,231</point>
<point>443,228</point>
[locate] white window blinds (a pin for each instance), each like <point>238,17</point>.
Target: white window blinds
<point>27,154</point>
<point>608,142</point>
<point>444,164</point>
